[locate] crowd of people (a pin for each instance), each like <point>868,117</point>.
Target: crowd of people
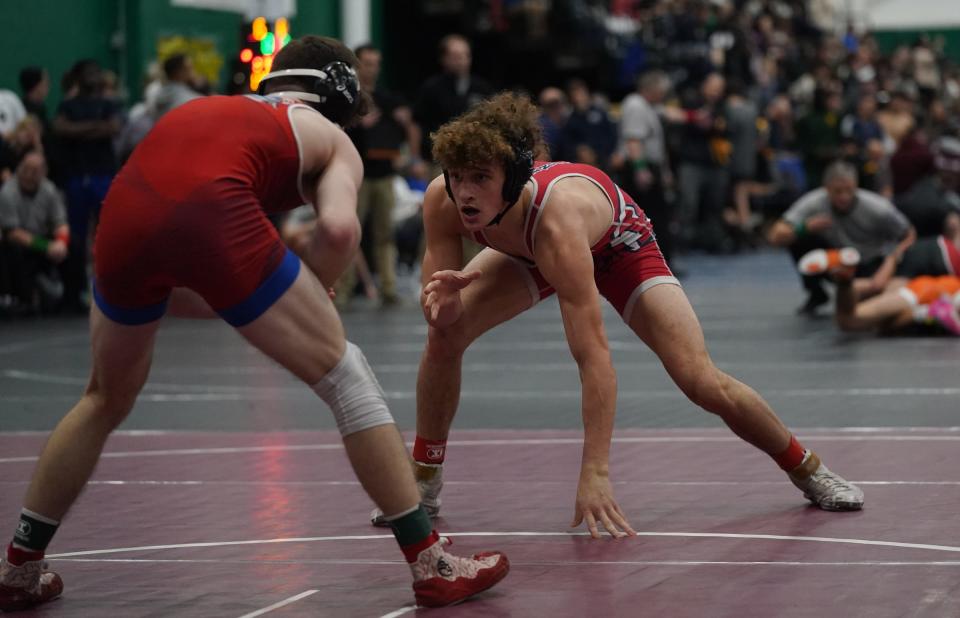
<point>739,110</point>
<point>766,128</point>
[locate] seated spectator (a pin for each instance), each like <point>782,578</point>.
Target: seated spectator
<point>33,220</point>
<point>841,215</point>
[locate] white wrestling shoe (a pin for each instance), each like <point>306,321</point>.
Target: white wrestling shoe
<point>429,481</point>
<point>824,488</point>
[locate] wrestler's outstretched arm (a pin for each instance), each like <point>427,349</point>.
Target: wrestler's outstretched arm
<point>564,259</point>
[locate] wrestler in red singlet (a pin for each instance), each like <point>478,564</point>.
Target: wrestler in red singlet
<point>189,209</point>
<point>627,260</point>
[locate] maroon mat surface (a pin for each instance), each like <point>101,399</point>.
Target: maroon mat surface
<point>232,524</point>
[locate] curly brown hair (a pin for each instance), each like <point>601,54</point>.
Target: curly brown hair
<point>489,132</point>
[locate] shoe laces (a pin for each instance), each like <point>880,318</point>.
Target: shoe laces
<point>828,480</point>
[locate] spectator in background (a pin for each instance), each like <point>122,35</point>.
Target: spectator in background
<point>35,86</point>
<point>380,137</point>
<point>450,93</point>
<point>897,117</point>
<point>86,125</point>
<point>33,221</point>
<point>178,87</point>
<point>874,165</point>
<point>931,199</point>
<point>741,114</point>
<point>818,133</point>
<point>553,119</point>
<point>703,175</point>
<point>840,215</point>
<point>646,171</point>
<point>862,126</point>
<point>590,136</point>
<point>141,116</point>
<point>939,122</point>
<point>911,161</point>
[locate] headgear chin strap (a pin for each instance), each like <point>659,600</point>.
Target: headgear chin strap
<point>516,174</point>
<point>335,91</point>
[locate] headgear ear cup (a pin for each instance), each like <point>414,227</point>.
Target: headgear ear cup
<point>336,89</point>
<point>339,92</point>
<point>517,173</point>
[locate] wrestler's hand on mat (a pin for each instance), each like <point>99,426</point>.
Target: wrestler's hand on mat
<point>441,304</point>
<point>595,503</point>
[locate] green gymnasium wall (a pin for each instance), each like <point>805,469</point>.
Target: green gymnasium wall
<point>123,35</point>
<point>888,40</point>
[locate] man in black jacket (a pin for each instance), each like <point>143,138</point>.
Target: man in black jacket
<point>449,93</point>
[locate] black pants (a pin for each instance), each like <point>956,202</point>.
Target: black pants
<point>652,200</point>
<point>19,267</point>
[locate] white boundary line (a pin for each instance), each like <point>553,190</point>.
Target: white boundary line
<point>216,392</point>
<point>239,393</point>
<point>368,537</point>
<point>492,442</point>
<point>722,431</point>
<point>406,609</point>
<point>280,604</point>
<point>559,563</point>
<point>498,483</point>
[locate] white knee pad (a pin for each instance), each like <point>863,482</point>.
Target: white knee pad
<point>353,394</point>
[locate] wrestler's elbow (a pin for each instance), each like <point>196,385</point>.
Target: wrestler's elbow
<point>339,234</point>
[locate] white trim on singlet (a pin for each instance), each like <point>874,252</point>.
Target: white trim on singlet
<point>643,287</point>
<point>546,196</point>
<point>296,137</point>
<point>526,217</point>
<point>942,243</point>
<point>623,211</point>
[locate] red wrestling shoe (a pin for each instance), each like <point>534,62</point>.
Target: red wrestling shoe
<point>440,578</point>
<point>27,585</point>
